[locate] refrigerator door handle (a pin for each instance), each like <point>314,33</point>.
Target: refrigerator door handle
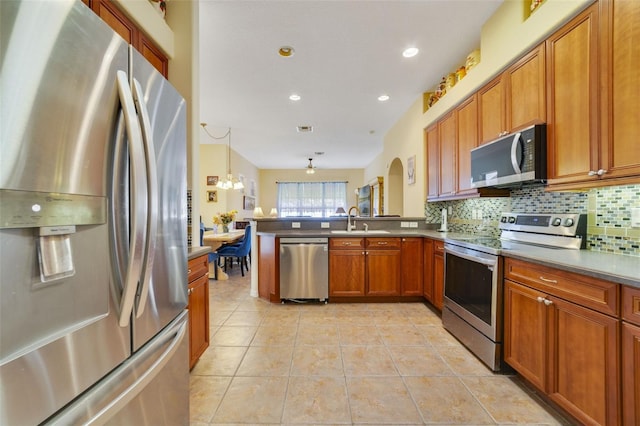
<point>100,405</point>
<point>138,207</point>
<point>152,200</point>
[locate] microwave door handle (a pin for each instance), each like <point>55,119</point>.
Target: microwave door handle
<point>138,192</point>
<point>152,196</point>
<point>515,161</point>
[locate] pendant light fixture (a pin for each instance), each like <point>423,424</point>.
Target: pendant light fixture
<point>230,182</point>
<point>310,169</point>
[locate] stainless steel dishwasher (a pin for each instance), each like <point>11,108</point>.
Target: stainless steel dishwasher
<point>304,268</point>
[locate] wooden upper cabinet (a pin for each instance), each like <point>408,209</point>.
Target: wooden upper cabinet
<point>620,80</point>
<point>572,110</point>
<point>467,140</point>
<point>447,131</point>
<point>525,94</point>
<point>128,30</point>
<point>491,115</point>
<point>433,161</point>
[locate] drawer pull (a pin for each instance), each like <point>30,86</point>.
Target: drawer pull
<point>346,243</point>
<point>546,280</point>
<point>382,243</point>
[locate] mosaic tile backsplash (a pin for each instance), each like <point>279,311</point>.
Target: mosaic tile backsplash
<point>608,212</point>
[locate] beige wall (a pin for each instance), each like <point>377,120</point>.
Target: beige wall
<point>213,162</point>
<point>268,193</point>
<point>504,37</point>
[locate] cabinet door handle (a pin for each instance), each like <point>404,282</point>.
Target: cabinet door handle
<point>189,271</point>
<point>540,299</point>
<point>601,172</point>
<point>548,280</point>
<point>189,291</point>
<point>547,302</point>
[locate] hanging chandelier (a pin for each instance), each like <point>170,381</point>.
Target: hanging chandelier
<point>310,169</point>
<point>229,182</point>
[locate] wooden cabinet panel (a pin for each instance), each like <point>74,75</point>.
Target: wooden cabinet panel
<point>438,274</point>
<point>433,161</point>
<point>347,243</point>
<point>525,333</point>
<point>383,272</point>
<point>600,295</point>
<point>268,265</point>
<point>526,91</point>
<point>620,79</point>
<point>427,288</point>
<point>447,131</point>
<point>411,267</point>
<point>569,351</point>
<point>467,140</point>
<point>631,304</point>
<point>630,374</point>
<point>382,243</point>
<point>572,110</point>
<point>198,318</point>
<point>346,273</point>
<point>198,290</point>
<point>584,364</point>
<point>491,117</point>
<point>128,30</point>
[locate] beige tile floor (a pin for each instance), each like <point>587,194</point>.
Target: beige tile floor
<point>345,364</point>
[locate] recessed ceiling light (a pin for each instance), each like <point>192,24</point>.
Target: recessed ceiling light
<point>286,51</point>
<point>383,98</point>
<point>294,97</point>
<point>410,52</point>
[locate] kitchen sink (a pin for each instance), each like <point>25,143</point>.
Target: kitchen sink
<point>360,232</point>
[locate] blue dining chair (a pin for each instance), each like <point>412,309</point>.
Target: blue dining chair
<point>240,251</point>
<point>213,256</point>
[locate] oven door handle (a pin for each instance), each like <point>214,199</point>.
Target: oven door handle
<point>490,264</point>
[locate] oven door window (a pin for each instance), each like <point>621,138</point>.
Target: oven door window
<point>470,285</point>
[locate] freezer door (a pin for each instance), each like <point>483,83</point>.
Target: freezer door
<point>162,113</point>
<point>58,327</point>
<point>150,388</point>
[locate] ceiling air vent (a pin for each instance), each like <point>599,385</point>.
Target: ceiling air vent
<point>305,129</point>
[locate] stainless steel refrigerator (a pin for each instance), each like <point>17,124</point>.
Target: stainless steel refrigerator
<point>93,291</point>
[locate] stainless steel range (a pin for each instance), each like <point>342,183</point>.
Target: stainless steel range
<point>473,276</point>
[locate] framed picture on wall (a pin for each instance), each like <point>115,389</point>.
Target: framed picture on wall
<point>248,202</point>
<point>411,170</point>
<point>212,180</point>
<point>212,196</point>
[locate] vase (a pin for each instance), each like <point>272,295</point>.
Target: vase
<point>225,228</point>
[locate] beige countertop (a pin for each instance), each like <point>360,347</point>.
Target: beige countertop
<point>194,252</point>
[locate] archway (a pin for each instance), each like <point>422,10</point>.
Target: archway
<point>395,188</point>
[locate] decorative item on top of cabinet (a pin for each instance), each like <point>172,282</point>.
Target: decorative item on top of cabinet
<point>561,333</point>
<point>198,278</point>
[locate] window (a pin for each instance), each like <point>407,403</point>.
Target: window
<point>313,199</point>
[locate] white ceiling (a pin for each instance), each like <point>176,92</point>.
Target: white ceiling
<point>347,53</point>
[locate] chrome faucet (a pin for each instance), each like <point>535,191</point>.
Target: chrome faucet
<point>351,227</point>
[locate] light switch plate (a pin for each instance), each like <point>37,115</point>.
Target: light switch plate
<point>295,224</point>
<point>325,225</point>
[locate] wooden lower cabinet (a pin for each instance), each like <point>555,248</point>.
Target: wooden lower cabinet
<point>631,355</point>
<point>438,274</point>
<point>427,287</point>
<point>412,268</point>
<point>364,267</point>
<point>198,276</point>
<point>269,268</point>
<point>568,351</point>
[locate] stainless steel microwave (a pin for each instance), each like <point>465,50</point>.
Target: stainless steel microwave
<point>511,160</point>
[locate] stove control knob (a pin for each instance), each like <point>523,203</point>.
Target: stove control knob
<point>568,222</point>
<point>512,219</point>
<point>556,222</point>
<point>503,219</point>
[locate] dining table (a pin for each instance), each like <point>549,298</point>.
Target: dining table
<point>215,241</point>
